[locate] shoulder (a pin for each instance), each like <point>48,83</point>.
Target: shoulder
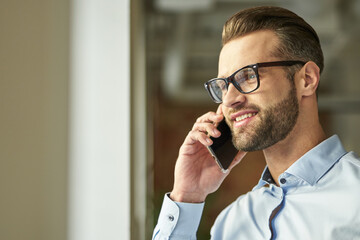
<point>349,165</point>
<point>352,158</point>
<point>344,176</point>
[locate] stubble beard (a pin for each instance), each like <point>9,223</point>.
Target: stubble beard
<point>275,124</point>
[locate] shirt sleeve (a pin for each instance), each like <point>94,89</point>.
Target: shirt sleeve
<point>178,220</point>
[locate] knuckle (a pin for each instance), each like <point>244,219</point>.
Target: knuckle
<point>195,126</point>
<point>199,119</point>
<point>191,133</point>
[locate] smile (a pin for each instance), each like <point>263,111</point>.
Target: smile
<point>244,116</point>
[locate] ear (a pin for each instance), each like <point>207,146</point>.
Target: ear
<point>309,79</point>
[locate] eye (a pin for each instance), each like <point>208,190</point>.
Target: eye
<point>251,77</point>
<point>247,76</point>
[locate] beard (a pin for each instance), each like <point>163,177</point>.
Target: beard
<point>276,122</point>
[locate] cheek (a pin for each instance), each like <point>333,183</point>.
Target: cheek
<point>277,92</point>
<point>226,112</point>
<point>274,84</point>
<point>269,98</point>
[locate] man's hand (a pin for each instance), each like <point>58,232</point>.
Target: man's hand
<point>196,172</point>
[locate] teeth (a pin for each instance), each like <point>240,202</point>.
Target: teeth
<point>247,115</point>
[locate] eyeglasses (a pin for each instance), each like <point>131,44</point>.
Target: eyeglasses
<point>245,80</point>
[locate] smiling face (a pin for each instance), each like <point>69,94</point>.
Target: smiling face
<point>260,119</point>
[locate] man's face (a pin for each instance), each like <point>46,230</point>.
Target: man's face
<point>260,119</point>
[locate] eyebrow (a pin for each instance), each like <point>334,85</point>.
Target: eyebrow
<point>237,69</point>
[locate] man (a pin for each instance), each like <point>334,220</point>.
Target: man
<point>310,186</point>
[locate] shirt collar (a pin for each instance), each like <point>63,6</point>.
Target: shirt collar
<point>313,164</point>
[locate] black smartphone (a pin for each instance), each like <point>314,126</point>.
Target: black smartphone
<point>222,148</point>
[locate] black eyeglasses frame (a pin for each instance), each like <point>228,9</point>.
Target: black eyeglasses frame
<point>255,67</point>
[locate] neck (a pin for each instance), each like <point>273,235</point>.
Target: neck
<point>283,154</point>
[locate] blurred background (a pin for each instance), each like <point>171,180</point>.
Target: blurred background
<point>183,45</point>
<point>96,98</point>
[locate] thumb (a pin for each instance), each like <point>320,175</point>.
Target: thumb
<point>219,110</point>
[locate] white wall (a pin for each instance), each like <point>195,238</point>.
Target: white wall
<point>99,186</point>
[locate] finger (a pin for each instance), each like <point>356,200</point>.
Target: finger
<point>209,117</point>
<point>219,110</point>
<point>197,136</point>
<point>239,156</point>
<point>207,128</point>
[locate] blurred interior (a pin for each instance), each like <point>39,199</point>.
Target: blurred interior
<point>183,44</point>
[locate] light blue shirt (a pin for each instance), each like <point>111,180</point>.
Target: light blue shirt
<point>318,198</point>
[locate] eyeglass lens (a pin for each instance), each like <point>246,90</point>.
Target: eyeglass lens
<point>245,81</point>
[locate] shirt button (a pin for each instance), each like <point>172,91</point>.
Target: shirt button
<point>171,217</point>
<point>283,180</point>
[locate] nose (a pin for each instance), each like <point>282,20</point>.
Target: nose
<point>233,97</point>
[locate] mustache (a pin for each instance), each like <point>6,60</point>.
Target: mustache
<point>244,107</point>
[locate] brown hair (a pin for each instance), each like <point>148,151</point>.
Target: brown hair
<point>298,40</point>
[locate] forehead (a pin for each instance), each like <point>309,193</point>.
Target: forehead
<point>248,49</point>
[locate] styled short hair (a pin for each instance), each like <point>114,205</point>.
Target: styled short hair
<point>298,40</point>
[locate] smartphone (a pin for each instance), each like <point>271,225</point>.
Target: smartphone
<point>222,149</point>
